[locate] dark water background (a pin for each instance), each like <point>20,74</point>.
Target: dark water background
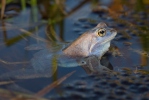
<point>25,23</point>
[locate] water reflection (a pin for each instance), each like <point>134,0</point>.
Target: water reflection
<point>49,24</point>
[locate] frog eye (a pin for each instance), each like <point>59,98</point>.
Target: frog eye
<point>102,32</point>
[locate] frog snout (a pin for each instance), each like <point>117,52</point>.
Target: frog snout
<point>113,31</point>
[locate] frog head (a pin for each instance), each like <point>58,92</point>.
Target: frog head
<point>96,41</point>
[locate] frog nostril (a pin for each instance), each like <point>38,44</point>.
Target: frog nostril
<point>112,30</point>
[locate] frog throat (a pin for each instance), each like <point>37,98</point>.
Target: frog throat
<point>107,40</point>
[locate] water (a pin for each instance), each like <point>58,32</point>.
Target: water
<point>24,27</point>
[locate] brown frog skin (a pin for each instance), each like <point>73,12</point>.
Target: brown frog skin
<point>91,45</point>
<point>93,42</point>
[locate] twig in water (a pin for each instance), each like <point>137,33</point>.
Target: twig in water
<point>28,33</point>
<point>11,63</point>
<point>6,82</point>
<point>48,88</point>
<point>12,95</point>
<point>3,8</point>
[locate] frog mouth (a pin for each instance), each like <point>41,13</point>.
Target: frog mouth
<point>103,42</point>
<point>107,40</point>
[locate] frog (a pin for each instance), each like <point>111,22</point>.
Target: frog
<point>92,44</point>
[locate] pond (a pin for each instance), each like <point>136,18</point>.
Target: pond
<point>33,34</point>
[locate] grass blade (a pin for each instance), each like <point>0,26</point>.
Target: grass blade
<point>48,88</point>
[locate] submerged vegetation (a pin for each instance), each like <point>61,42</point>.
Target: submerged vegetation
<point>51,24</point>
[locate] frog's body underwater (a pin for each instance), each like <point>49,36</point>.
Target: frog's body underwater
<point>94,42</point>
